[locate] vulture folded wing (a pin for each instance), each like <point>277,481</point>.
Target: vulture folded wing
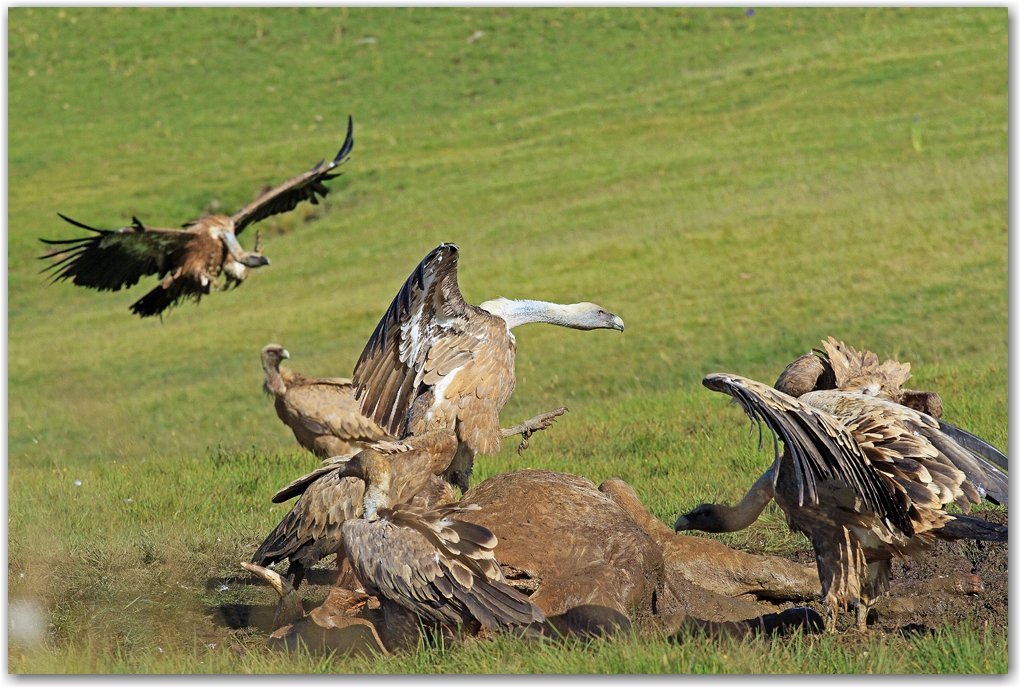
<point>117,259</point>
<point>328,408</point>
<point>983,477</point>
<point>287,195</point>
<point>312,528</point>
<point>401,559</point>
<point>427,310</point>
<point>818,445</point>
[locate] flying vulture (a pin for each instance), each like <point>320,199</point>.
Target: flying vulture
<point>864,478</point>
<point>189,261</point>
<point>321,411</point>
<point>435,361</point>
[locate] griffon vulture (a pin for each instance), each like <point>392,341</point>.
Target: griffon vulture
<point>321,411</point>
<point>864,478</point>
<point>420,556</point>
<point>189,261</point>
<point>312,529</point>
<point>435,361</point>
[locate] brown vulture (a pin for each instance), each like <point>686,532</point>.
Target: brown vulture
<point>436,361</point>
<point>189,261</point>
<point>426,559</point>
<point>321,411</point>
<point>864,478</point>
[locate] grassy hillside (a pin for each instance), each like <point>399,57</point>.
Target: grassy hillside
<point>735,187</point>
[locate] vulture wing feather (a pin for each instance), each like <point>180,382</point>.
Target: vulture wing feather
<point>112,260</point>
<point>285,197</point>
<point>819,446</point>
<point>428,306</point>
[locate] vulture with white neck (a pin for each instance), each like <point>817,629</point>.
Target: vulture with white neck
<point>189,261</point>
<point>321,411</point>
<point>865,478</point>
<point>436,361</point>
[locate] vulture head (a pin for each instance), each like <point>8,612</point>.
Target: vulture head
<point>374,469</point>
<point>272,354</point>
<point>708,517</point>
<point>590,316</point>
<point>584,316</point>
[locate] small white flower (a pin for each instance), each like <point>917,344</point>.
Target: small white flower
<point>128,500</point>
<point>213,645</point>
<point>77,483</point>
<point>224,587</point>
<point>218,539</point>
<point>160,649</point>
<point>21,575</point>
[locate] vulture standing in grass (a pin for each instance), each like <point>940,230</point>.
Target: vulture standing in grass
<point>435,361</point>
<point>865,478</point>
<point>424,558</point>
<point>321,411</point>
<point>189,261</point>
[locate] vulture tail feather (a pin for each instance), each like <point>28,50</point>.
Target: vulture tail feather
<point>969,527</point>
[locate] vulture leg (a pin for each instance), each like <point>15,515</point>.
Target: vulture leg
<point>529,427</point>
<point>841,569</point>
<point>872,590</point>
<point>295,574</point>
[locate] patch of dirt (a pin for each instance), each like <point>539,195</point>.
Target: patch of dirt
<point>932,593</point>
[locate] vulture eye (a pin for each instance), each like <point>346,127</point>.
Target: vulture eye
<point>602,313</point>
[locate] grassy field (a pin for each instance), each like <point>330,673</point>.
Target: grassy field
<point>735,187</point>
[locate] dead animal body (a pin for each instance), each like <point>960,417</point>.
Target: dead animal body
<point>437,362</point>
<point>865,478</point>
<point>189,261</point>
<point>613,565</point>
<point>321,411</point>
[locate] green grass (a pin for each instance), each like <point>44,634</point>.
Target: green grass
<point>735,188</point>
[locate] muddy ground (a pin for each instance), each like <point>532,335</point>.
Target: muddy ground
<point>933,593</point>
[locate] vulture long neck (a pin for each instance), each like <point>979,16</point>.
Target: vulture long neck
<point>521,312</point>
<point>376,471</point>
<point>274,381</point>
<point>740,516</point>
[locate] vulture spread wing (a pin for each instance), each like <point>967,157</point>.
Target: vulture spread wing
<point>420,339</point>
<point>312,528</point>
<point>436,566</point>
<point>287,195</point>
<point>117,259</point>
<point>818,445</point>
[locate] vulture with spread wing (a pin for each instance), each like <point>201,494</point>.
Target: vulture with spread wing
<point>435,361</point>
<point>865,478</point>
<point>189,261</point>
<point>321,411</point>
<point>422,556</point>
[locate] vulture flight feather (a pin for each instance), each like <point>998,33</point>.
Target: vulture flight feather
<point>435,361</point>
<point>188,261</point>
<point>864,477</point>
<point>312,529</point>
<point>426,559</point>
<point>321,411</point>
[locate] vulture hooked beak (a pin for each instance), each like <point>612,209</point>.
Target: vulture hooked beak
<point>617,322</point>
<point>285,354</point>
<point>255,260</point>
